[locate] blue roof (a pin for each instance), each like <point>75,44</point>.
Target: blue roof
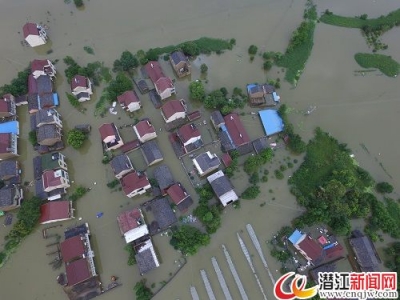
<point>10,127</point>
<point>329,246</point>
<point>294,238</point>
<point>271,121</point>
<point>55,99</point>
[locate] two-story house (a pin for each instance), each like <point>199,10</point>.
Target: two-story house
<point>81,88</point>
<point>190,137</point>
<point>134,184</point>
<point>163,84</point>
<point>42,67</point>
<point>145,131</point>
<point>173,110</point>
<point>10,197</point>
<point>34,34</point>
<point>129,101</point>
<point>121,165</point>
<point>8,145</point>
<point>46,117</point>
<point>180,64</point>
<point>110,136</point>
<point>8,107</point>
<point>55,179</point>
<point>48,135</point>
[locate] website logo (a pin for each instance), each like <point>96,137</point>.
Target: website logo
<point>296,287</point>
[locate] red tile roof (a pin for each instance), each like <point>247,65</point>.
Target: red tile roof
<point>106,130</point>
<point>144,127</point>
<point>132,182</point>
<point>127,98</point>
<point>72,248</point>
<point>32,85</point>
<point>79,81</point>
<point>4,105</point>
<point>55,210</point>
<point>177,193</point>
<point>334,253</point>
<point>128,220</point>
<point>172,107</point>
<point>188,131</point>
<point>311,248</point>
<point>130,146</point>
<point>49,179</point>
<point>236,129</point>
<point>226,159</point>
<point>77,271</point>
<point>164,83</point>
<point>30,29</point>
<point>5,140</point>
<point>154,71</point>
<point>38,64</point>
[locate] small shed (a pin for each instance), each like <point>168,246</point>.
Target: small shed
<point>85,128</point>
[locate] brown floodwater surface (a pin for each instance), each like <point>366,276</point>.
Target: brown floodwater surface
<point>355,109</point>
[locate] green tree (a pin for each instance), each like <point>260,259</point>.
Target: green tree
<point>126,63</point>
<point>267,65</point>
<point>197,90</point>
<point>78,3</point>
<point>189,239</point>
<point>33,137</point>
<point>142,292</point>
<point>73,101</point>
<point>76,138</point>
<point>18,86</point>
<point>190,49</point>
<point>384,187</point>
<point>118,86</point>
<point>131,253</point>
<point>203,68</point>
<point>253,50</point>
<point>29,212</point>
<point>251,192</point>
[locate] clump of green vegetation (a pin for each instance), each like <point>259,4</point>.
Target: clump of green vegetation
<point>251,192</point>
<point>219,99</point>
<point>393,257</point>
<point>234,166</point>
<point>205,193</point>
<point>119,85</point>
<point>73,101</point>
<point>252,51</point>
<point>101,104</point>
<point>384,63</point>
<point>384,187</point>
<point>131,253</point>
<point>18,86</point>
<point>255,162</point>
<point>254,178</point>
<point>278,174</point>
<point>203,68</point>
<point>78,3</point>
<point>210,216</point>
<point>300,46</point>
<point>127,62</point>
<point>96,71</point>
<point>33,137</point>
<point>113,184</point>
<point>142,292</point>
<point>88,50</point>
<point>78,193</point>
<point>295,143</point>
<point>189,239</point>
<point>197,90</point>
<point>76,138</point>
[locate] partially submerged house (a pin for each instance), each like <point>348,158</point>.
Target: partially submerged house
<point>151,153</point>
<point>190,137</point>
<point>164,216</point>
<point>146,257</point>
<point>55,179</point>
<point>271,121</point>
<point>262,95</point>
<point>48,161</point>
<point>179,196</point>
<point>45,117</point>
<point>8,145</point>
<point>42,67</point>
<point>34,34</point>
<point>49,135</point>
<point>217,119</point>
<point>164,178</point>
<point>206,163</point>
<point>236,130</point>
<point>121,165</point>
<point>145,131</point>
<point>174,110</point>
<point>9,169</point>
<point>307,246</point>
<point>180,63</point>
<point>8,107</point>
<point>132,225</point>
<point>56,211</point>
<point>81,88</point>
<point>110,136</point>
<point>10,197</point>
<point>222,188</point>
<point>366,255</point>
<point>129,101</point>
<point>134,184</point>
<point>163,84</point>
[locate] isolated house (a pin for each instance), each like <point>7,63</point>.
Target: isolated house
<point>8,145</point>
<point>190,137</point>
<point>262,95</point>
<point>8,106</point>
<point>10,198</point>
<point>34,34</point>
<point>217,119</point>
<point>132,225</point>
<point>40,67</point>
<point>151,153</point>
<point>110,136</point>
<point>9,169</point>
<point>179,196</point>
<point>56,211</point>
<point>163,84</point>
<point>223,188</point>
<point>48,161</point>
<point>164,178</point>
<point>180,63</point>
<point>121,165</point>
<point>55,179</point>
<point>173,110</point>
<point>135,184</point>
<point>145,131</point>
<point>48,135</point>
<point>146,257</point>
<point>206,162</point>
<point>307,246</point>
<point>46,117</point>
<point>129,101</point>
<point>81,88</point>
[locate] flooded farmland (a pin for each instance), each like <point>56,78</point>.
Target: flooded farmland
<point>355,109</point>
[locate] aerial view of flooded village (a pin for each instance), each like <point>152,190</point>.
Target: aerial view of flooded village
<point>178,150</point>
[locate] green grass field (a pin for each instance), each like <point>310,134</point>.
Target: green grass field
<point>384,63</point>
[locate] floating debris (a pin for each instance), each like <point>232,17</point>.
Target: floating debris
<point>310,110</point>
<point>8,219</point>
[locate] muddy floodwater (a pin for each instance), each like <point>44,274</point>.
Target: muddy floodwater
<point>355,109</point>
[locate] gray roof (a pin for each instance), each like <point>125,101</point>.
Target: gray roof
<point>217,118</point>
<point>269,89</point>
<point>226,141</point>
<point>7,196</point>
<point>47,132</point>
<point>206,163</point>
<point>260,144</point>
<point>365,252</point>
<point>121,163</point>
<point>145,261</point>
<point>163,176</point>
<point>221,185</point>
<point>256,89</point>
<point>178,56</point>
<point>8,168</point>
<point>46,100</point>
<point>33,101</point>
<point>44,84</point>
<point>163,213</point>
<point>39,192</point>
<point>37,167</point>
<point>33,121</point>
<point>324,268</point>
<point>82,95</point>
<point>151,152</point>
<point>45,116</point>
